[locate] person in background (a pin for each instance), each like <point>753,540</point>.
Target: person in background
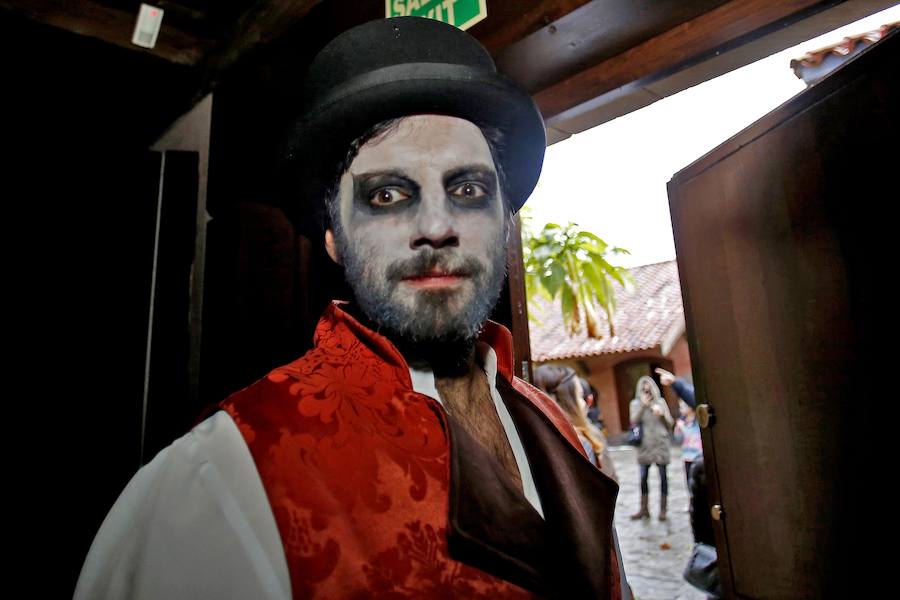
<point>563,385</point>
<point>701,519</point>
<point>687,431</point>
<point>650,411</point>
<point>684,389</point>
<point>692,454</point>
<point>592,399</point>
<point>702,528</point>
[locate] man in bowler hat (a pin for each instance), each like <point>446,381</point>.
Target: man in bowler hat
<point>400,457</point>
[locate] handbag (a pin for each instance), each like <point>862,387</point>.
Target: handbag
<point>635,435</point>
<point>702,570</point>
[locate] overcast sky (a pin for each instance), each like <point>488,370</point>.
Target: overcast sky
<point>611,179</point>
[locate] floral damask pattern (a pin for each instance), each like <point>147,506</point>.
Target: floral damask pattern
<point>356,467</point>
<point>418,557</point>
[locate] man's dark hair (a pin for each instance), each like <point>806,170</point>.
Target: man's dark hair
<point>494,137</point>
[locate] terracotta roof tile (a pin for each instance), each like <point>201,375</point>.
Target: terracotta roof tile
<point>846,47</point>
<point>645,318</point>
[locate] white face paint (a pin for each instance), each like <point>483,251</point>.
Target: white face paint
<point>422,233</point>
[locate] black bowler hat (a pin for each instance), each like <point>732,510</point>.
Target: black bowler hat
<point>397,67</point>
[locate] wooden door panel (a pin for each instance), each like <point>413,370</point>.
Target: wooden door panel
<point>756,314</point>
<point>778,234</point>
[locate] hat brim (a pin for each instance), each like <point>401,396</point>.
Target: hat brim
<point>321,138</point>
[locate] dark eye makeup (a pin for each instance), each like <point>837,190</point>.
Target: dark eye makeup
<point>383,190</point>
<point>470,186</point>
<point>468,191</point>
<point>473,185</point>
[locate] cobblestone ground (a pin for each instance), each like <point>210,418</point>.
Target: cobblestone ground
<point>654,552</point>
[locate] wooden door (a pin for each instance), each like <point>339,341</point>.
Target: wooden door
<point>785,241</point>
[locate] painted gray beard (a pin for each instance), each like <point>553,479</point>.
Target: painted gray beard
<point>428,322</point>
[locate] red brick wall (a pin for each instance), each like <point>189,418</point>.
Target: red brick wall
<point>680,355</point>
<point>605,383</point>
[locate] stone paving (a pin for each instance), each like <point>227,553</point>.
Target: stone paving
<point>654,552</point>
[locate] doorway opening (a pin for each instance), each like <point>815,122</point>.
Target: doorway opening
<point>611,180</point>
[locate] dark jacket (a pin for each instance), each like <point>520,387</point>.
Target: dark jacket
<point>701,520</point>
<point>685,391</point>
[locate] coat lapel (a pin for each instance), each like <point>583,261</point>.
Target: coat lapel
<point>494,528</point>
<point>492,525</point>
<point>577,499</point>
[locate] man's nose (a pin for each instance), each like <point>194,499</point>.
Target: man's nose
<point>435,222</point>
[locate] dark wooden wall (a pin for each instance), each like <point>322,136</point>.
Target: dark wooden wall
<point>78,119</point>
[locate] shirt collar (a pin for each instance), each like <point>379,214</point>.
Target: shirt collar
<point>423,379</point>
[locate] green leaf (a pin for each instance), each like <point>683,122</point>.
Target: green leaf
<point>603,266</point>
<point>591,242</point>
<point>569,309</point>
<point>551,231</point>
<point>554,280</point>
<point>542,253</point>
<point>595,278</point>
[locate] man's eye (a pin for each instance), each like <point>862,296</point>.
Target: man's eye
<point>387,196</point>
<point>469,191</point>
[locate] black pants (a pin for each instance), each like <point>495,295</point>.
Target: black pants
<point>687,475</point>
<point>663,480</point>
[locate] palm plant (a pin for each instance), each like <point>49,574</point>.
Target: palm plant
<point>573,264</point>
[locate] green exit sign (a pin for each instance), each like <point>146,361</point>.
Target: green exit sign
<point>462,13</point>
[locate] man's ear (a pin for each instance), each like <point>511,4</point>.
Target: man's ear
<point>331,248</point>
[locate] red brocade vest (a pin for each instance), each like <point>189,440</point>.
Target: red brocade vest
<point>377,494</point>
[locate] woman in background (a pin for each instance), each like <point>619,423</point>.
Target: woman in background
<point>650,411</point>
<point>563,385</point>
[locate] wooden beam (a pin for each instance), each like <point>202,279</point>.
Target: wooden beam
<point>509,22</point>
<point>590,34</point>
<point>518,300</point>
<point>263,23</point>
<point>110,25</point>
<point>688,41</point>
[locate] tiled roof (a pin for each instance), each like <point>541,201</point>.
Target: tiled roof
<point>646,317</point>
<point>849,46</point>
